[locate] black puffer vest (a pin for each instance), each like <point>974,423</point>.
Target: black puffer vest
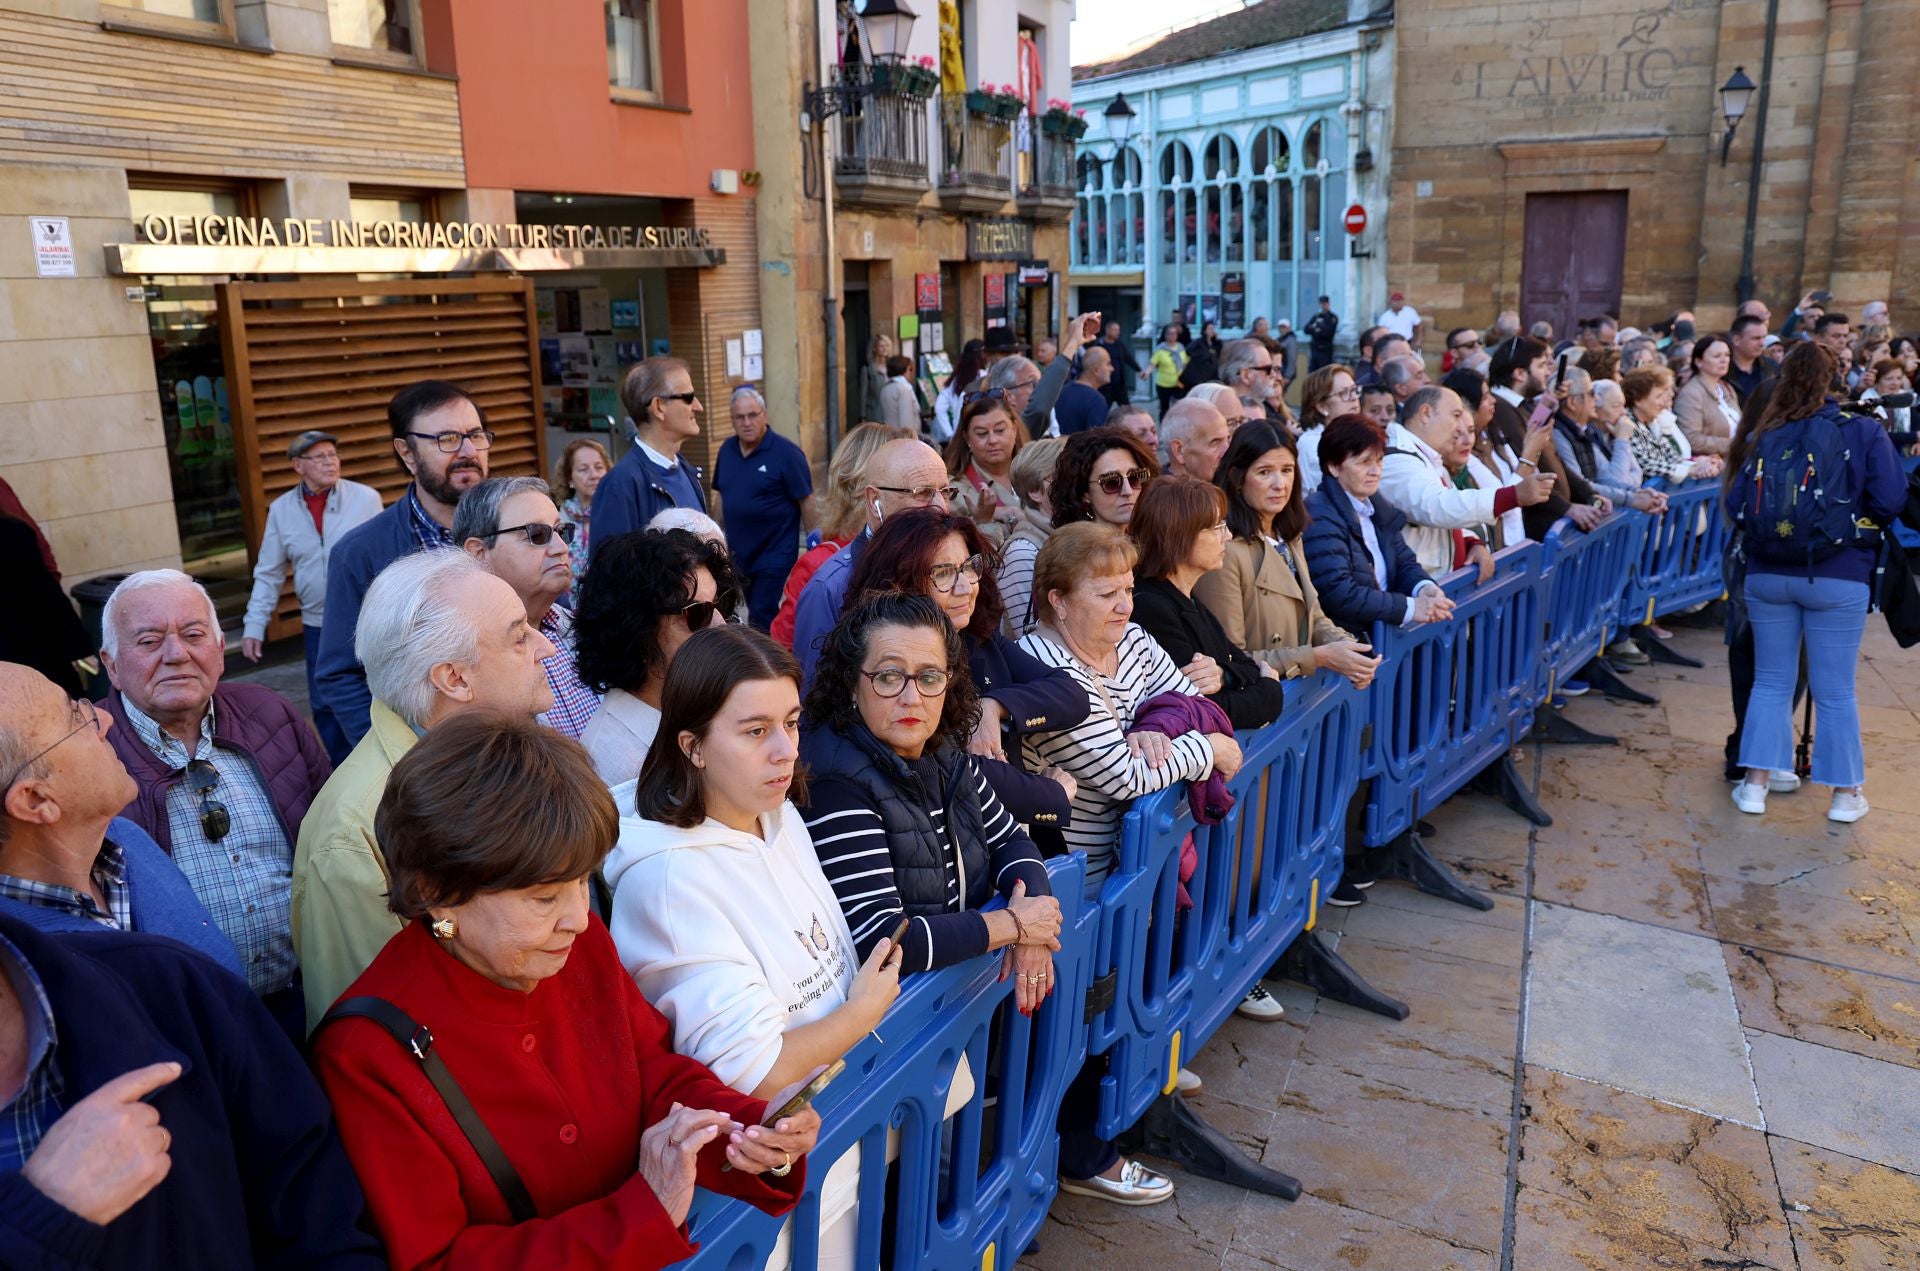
<point>894,788</point>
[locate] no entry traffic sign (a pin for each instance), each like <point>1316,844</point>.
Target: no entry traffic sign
<point>1356,219</point>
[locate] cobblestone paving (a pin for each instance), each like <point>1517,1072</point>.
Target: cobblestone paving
<point>1683,1038</point>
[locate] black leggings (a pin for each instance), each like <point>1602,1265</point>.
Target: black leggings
<point>1168,396</point>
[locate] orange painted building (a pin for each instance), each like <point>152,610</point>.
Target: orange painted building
<point>626,113</point>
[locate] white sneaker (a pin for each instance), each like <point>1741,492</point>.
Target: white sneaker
<point>1260,1004</point>
<point>1783,782</point>
<point>1750,798</point>
<point>1137,1185</point>
<point>1848,806</point>
<point>1188,1082</point>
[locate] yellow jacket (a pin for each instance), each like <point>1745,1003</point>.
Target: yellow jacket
<point>339,907</point>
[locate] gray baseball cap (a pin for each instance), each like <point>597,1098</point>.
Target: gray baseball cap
<point>307,441</point>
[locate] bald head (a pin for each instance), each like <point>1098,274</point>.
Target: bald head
<point>1095,367</point>
<point>66,780</point>
<point>904,473</point>
<point>1197,436</point>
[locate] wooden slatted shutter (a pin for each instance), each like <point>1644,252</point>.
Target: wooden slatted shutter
<point>330,354</point>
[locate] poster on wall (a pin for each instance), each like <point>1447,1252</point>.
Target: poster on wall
<point>626,315</point>
<point>996,292</point>
<point>1233,300</point>
<point>1186,308</point>
<point>596,310</point>
<point>926,291</point>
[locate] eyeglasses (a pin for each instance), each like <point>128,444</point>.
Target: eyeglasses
<point>1023,384</point>
<point>972,568</point>
<point>892,683</point>
<point>449,442</point>
<point>1474,343</point>
<point>688,398</point>
<point>1134,478</point>
<point>215,820</point>
<point>1268,369</point>
<point>78,708</point>
<point>1221,528</point>
<point>985,395</point>
<point>922,495</point>
<point>538,534</point>
<point>1349,394</point>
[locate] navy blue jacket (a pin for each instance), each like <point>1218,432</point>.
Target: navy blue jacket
<point>1037,698</point>
<point>259,1177</point>
<point>1342,568</point>
<point>339,679</point>
<point>631,495</point>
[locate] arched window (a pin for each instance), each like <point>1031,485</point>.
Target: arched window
<point>1124,177</point>
<point>1272,196</point>
<point>1176,163</point>
<point>1177,214</point>
<point>1222,159</point>
<point>1220,169</point>
<point>1311,195</point>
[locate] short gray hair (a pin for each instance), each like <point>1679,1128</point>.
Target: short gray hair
<point>1399,371</point>
<point>1183,417</point>
<point>147,580</point>
<point>1211,393</point>
<point>478,512</point>
<point>13,760</point>
<point>1423,398</point>
<point>412,620</point>
<point>1237,357</point>
<point>1009,369</point>
<point>1576,381</point>
<point>693,521</point>
<point>746,390</point>
<point>1034,464</point>
<point>1606,391</point>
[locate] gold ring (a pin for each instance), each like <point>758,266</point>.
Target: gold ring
<point>783,1170</point>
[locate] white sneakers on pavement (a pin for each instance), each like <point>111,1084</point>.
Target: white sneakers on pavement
<point>1750,798</point>
<point>1261,1005</point>
<point>1848,806</point>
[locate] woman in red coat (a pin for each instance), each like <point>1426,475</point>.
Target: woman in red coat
<point>491,828</point>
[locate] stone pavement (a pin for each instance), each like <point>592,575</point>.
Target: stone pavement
<point>1683,1038</point>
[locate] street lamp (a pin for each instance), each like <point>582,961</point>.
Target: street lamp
<point>1120,116</point>
<point>1735,95</point>
<point>888,23</point>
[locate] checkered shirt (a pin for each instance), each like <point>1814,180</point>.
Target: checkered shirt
<point>246,879</point>
<point>573,702</point>
<point>109,875</point>
<point>429,531</point>
<point>26,1120</point>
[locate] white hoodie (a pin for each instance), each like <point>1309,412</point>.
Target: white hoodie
<point>733,937</point>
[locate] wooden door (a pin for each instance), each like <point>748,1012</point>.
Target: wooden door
<point>330,353</point>
<point>1574,258</point>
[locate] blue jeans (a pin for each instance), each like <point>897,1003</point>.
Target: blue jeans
<point>1831,614</point>
<point>332,736</point>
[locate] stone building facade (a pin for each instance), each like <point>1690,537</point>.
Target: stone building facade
<point>1597,124</point>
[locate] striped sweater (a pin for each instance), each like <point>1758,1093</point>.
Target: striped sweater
<point>1096,753</point>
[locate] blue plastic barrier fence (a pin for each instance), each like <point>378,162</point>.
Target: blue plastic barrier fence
<point>1585,583</point>
<point>1679,561</point>
<point>969,1192</point>
<point>1451,697</point>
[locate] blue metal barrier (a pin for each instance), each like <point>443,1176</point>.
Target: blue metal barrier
<point>1679,562</point>
<point>1586,577</point>
<point>1451,697</point>
<point>951,1204</point>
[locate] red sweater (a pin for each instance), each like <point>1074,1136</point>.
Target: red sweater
<point>566,1078</point>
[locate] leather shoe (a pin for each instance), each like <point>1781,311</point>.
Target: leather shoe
<point>1137,1185</point>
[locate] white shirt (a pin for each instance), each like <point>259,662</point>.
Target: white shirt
<point>659,460</point>
<point>1401,323</point>
<point>1363,508</point>
<point>619,736</point>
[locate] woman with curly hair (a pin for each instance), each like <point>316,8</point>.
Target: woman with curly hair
<point>904,824</point>
<point>947,559</point>
<point>646,593</point>
<point>1099,477</point>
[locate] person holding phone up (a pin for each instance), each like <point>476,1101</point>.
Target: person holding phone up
<point>721,912</point>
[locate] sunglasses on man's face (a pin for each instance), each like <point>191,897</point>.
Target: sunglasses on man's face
<point>215,820</point>
<point>699,615</point>
<point>540,535</point>
<point>1134,478</point>
<point>687,398</point>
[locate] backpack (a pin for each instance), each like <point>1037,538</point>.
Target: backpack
<point>1794,498</point>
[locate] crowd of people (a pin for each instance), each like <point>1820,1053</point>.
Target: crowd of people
<point>620,816</point>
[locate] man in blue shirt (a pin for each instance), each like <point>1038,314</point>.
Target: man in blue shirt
<point>653,476</point>
<point>1083,403</point>
<point>440,436</point>
<point>762,495</point>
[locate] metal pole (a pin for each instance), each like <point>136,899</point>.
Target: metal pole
<point>829,288</point>
<point>1743,289</point>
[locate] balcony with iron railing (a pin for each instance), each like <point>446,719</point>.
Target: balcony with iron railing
<point>1045,179</point>
<point>976,146</point>
<point>882,153</point>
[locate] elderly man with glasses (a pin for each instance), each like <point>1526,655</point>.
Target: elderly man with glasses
<point>763,494</point>
<point>511,526</point>
<point>440,636</point>
<point>1031,392</point>
<point>68,860</point>
<point>440,437</point>
<point>1247,367</point>
<point>223,773</point>
<point>902,474</point>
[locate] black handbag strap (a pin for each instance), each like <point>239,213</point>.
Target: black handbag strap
<point>417,1041</point>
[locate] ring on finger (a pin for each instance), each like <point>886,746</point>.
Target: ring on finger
<point>785,1168</point>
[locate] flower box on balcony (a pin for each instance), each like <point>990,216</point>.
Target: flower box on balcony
<point>1058,123</point>
<point>993,105</point>
<point>904,79</point>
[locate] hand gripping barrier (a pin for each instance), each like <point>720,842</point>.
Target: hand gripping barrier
<point>1452,697</point>
<point>966,1193</point>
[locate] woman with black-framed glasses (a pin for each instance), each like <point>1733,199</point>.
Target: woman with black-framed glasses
<point>903,821</point>
<point>947,559</point>
<point>646,593</point>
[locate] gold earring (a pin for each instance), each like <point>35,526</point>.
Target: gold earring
<point>443,928</point>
